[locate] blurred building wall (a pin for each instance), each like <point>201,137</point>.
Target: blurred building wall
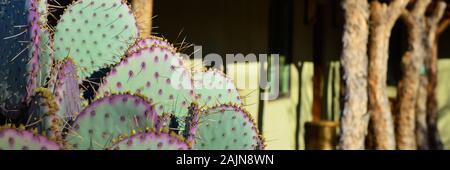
<point>241,26</point>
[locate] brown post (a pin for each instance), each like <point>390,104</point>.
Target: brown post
<point>383,18</point>
<point>355,119</point>
<point>434,28</point>
<point>412,64</point>
<point>143,10</point>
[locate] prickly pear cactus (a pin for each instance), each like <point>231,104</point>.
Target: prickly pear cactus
<point>45,58</point>
<point>16,139</point>
<point>45,44</point>
<point>96,33</point>
<point>109,118</point>
<point>152,141</point>
<point>226,127</point>
<point>212,88</point>
<point>149,42</point>
<point>19,53</point>
<point>157,73</point>
<point>66,90</point>
<point>42,114</point>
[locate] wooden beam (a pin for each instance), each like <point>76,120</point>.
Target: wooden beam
<point>143,10</point>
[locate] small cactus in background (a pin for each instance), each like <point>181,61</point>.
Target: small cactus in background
<point>148,99</point>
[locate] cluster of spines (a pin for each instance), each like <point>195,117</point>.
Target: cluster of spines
<point>149,42</point>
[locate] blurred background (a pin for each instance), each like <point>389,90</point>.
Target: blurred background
<point>308,36</point>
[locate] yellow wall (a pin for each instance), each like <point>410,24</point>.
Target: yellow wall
<point>444,100</point>
<point>279,115</point>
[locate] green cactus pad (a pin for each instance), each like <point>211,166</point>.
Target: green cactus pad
<point>213,88</point>
<point>66,90</point>
<point>45,57</point>
<point>96,33</point>
<point>152,141</point>
<point>42,114</point>
<point>157,73</point>
<point>15,139</point>
<point>108,118</point>
<point>226,127</point>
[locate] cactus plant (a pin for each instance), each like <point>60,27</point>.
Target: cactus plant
<point>148,92</point>
<point>19,139</point>
<point>157,73</point>
<point>108,118</point>
<point>95,33</point>
<point>152,140</point>
<point>66,90</point>
<point>19,53</point>
<point>227,127</point>
<point>212,87</point>
<point>45,57</point>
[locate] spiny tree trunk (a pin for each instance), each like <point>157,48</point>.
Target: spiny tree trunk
<point>383,18</point>
<point>143,10</point>
<point>408,87</point>
<point>354,121</point>
<point>433,29</point>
